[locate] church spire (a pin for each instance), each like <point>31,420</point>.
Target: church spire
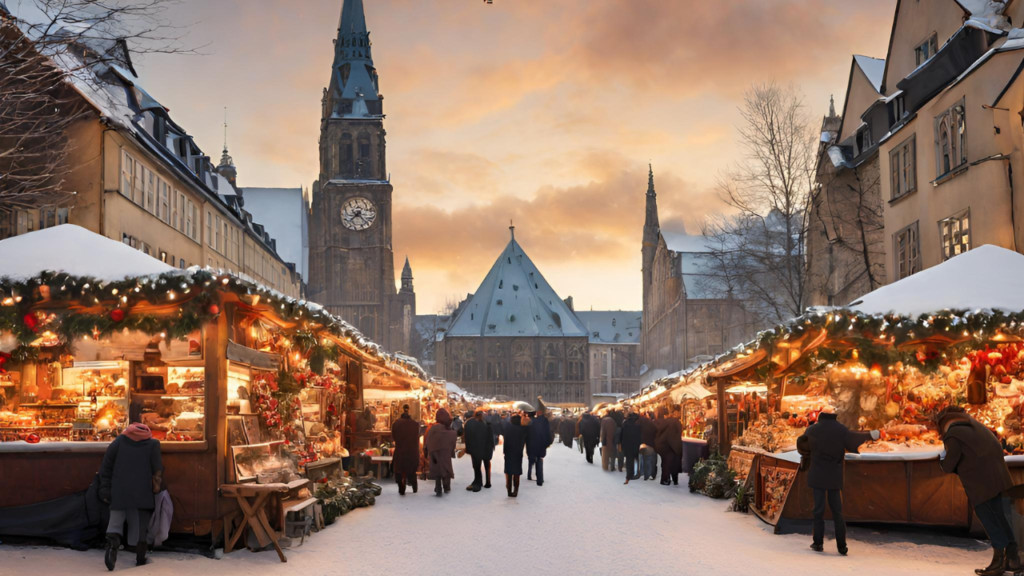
<point>407,276</point>
<point>650,181</point>
<point>652,230</point>
<point>353,76</point>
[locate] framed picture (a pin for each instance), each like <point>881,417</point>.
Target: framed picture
<point>237,435</point>
<point>251,424</point>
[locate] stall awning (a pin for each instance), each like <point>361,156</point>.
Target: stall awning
<point>692,390</point>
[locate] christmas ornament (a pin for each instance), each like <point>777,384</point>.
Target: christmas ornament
<point>117,315</point>
<point>31,321</point>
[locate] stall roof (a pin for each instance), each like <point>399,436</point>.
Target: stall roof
<point>987,278</point>
<point>76,251</point>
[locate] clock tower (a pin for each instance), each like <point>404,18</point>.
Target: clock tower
<point>352,270</point>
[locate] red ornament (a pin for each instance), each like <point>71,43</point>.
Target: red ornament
<point>213,309</point>
<point>117,315</point>
<point>4,357</point>
<point>31,321</point>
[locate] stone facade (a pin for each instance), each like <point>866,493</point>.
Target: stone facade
<point>684,320</point>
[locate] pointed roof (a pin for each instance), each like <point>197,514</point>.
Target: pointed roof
<point>515,300</point>
<point>353,61</point>
<point>954,285</point>
<point>650,181</point>
<point>407,270</point>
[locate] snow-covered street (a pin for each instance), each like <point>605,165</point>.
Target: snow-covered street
<point>582,521</point>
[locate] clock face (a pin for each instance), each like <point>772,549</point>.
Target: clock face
<point>358,213</point>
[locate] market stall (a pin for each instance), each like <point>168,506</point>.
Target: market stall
<point>241,384</point>
<point>890,361</point>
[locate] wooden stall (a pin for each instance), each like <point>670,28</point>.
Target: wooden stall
<point>241,384</point>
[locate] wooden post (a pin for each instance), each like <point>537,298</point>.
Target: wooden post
<point>723,420</point>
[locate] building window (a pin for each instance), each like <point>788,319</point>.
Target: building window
<point>127,174</point>
<point>950,139</point>
<point>907,247</point>
<point>903,164</point>
<point>150,191</point>
<point>138,186</point>
<point>209,228</point>
<point>955,234</point>
<point>926,49</point>
<point>162,210</point>
<point>864,140</point>
<point>224,240</point>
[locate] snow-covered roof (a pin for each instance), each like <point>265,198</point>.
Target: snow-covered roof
<point>683,242</point>
<point>76,251</point>
<point>963,282</point>
<point>515,300</point>
<point>612,327</point>
<point>282,212</point>
<point>873,68</point>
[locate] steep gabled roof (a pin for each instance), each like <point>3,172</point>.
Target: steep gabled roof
<point>515,300</point>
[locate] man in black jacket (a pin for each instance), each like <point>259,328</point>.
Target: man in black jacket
<point>632,438</point>
<point>479,445</point>
<point>590,430</point>
<point>826,444</point>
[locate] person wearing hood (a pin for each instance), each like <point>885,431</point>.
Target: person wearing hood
<point>972,452</point>
<point>669,445</point>
<point>538,438</point>
<point>567,430</point>
<point>406,458</point>
<point>480,446</point>
<point>632,438</point>
<point>590,431</point>
<point>648,455</point>
<point>609,448</point>
<point>514,433</point>
<point>439,447</point>
<point>825,444</point>
<point>130,475</point>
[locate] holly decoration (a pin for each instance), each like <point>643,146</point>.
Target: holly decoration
<point>31,321</point>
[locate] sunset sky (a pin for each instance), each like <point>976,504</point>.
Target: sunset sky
<point>545,112</point>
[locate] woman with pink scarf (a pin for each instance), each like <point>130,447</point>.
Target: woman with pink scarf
<point>130,475</point>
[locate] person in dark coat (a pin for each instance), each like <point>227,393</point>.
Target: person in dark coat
<point>494,420</point>
<point>590,431</point>
<point>567,430</point>
<point>973,453</point>
<point>130,474</point>
<point>480,446</point>
<point>648,456</point>
<point>439,446</point>
<point>608,447</point>
<point>825,444</point>
<point>538,438</point>
<point>515,441</point>
<point>620,419</point>
<point>632,438</point>
<point>669,445</point>
<point>406,457</point>
<point>457,425</point>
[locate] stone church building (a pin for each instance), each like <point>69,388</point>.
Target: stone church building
<point>351,261</point>
<point>686,320</point>
<point>516,338</point>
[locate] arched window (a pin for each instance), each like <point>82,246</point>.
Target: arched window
<point>365,166</point>
<point>944,151</point>
<point>347,165</point>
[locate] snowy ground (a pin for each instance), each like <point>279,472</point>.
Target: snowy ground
<point>582,521</point>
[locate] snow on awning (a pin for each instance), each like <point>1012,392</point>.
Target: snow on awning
<point>986,278</point>
<point>76,251</point>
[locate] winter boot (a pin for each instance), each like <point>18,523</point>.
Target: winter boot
<point>113,543</point>
<point>488,483</point>
<point>1013,563</point>
<point>508,484</point>
<point>437,487</point>
<point>998,565</point>
<point>140,553</point>
<point>515,486</point>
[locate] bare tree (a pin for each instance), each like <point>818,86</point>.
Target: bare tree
<point>847,212</point>
<point>45,47</point>
<point>757,254</point>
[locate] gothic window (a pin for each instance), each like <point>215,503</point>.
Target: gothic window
<point>345,69</point>
<point>951,139</point>
<point>347,167</point>
<point>365,162</point>
<point>552,371</point>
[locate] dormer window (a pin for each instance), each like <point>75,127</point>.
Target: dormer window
<point>926,49</point>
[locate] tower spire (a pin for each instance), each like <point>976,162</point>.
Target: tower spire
<point>650,180</point>
<point>512,229</point>
<point>225,129</point>
<point>831,106</point>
